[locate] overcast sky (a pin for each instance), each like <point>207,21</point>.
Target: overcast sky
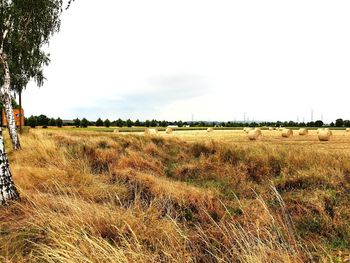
<point>213,60</point>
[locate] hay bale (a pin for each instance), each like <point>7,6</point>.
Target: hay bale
<point>270,129</point>
<point>248,129</point>
<point>116,131</point>
<point>324,135</point>
<point>329,130</point>
<point>210,129</point>
<point>151,131</point>
<point>286,133</point>
<point>258,130</point>
<point>319,129</point>
<point>254,134</point>
<point>169,130</point>
<point>347,129</point>
<point>303,131</point>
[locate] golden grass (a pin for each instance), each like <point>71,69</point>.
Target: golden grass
<point>105,197</point>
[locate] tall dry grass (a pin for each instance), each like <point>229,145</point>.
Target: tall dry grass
<point>89,197</point>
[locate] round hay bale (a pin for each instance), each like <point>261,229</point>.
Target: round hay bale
<point>347,129</point>
<point>270,129</point>
<point>210,129</point>
<point>303,131</point>
<point>254,134</point>
<point>324,135</point>
<point>286,133</point>
<point>258,130</point>
<point>151,131</point>
<point>248,129</point>
<point>329,130</point>
<point>169,130</point>
<point>319,129</point>
<point>116,131</point>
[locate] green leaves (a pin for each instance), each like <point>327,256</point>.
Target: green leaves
<point>30,25</point>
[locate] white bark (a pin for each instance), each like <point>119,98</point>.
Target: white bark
<point>3,40</point>
<point>6,99</point>
<point>8,190</point>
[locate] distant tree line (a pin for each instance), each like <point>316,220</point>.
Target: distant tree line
<point>318,123</point>
<point>43,120</point>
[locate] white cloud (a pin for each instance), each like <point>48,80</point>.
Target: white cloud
<point>270,59</point>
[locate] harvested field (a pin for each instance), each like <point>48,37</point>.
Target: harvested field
<point>184,197</point>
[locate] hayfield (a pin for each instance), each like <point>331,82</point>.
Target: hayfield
<point>339,140</point>
<point>189,196</point>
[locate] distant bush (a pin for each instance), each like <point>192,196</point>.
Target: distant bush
<point>339,123</point>
<point>76,122</point>
<point>59,122</point>
<point>52,122</point>
<point>31,121</point>
<point>318,123</point>
<point>107,123</point>
<point>119,122</point>
<point>42,120</point>
<point>129,123</point>
<point>99,122</point>
<point>84,123</point>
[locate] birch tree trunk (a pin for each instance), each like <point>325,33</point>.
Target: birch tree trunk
<point>8,189</point>
<point>20,111</point>
<point>6,99</point>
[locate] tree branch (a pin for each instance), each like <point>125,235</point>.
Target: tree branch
<point>69,3</point>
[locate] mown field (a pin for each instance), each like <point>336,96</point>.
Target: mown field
<point>141,129</point>
<point>190,196</point>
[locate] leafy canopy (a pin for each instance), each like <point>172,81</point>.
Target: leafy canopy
<point>26,26</point>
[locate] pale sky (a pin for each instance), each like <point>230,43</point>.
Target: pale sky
<point>215,60</point>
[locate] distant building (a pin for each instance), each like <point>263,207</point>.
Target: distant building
<point>172,126</point>
<point>19,117</point>
<point>67,122</point>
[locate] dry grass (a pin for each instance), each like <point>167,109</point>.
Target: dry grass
<point>98,197</point>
